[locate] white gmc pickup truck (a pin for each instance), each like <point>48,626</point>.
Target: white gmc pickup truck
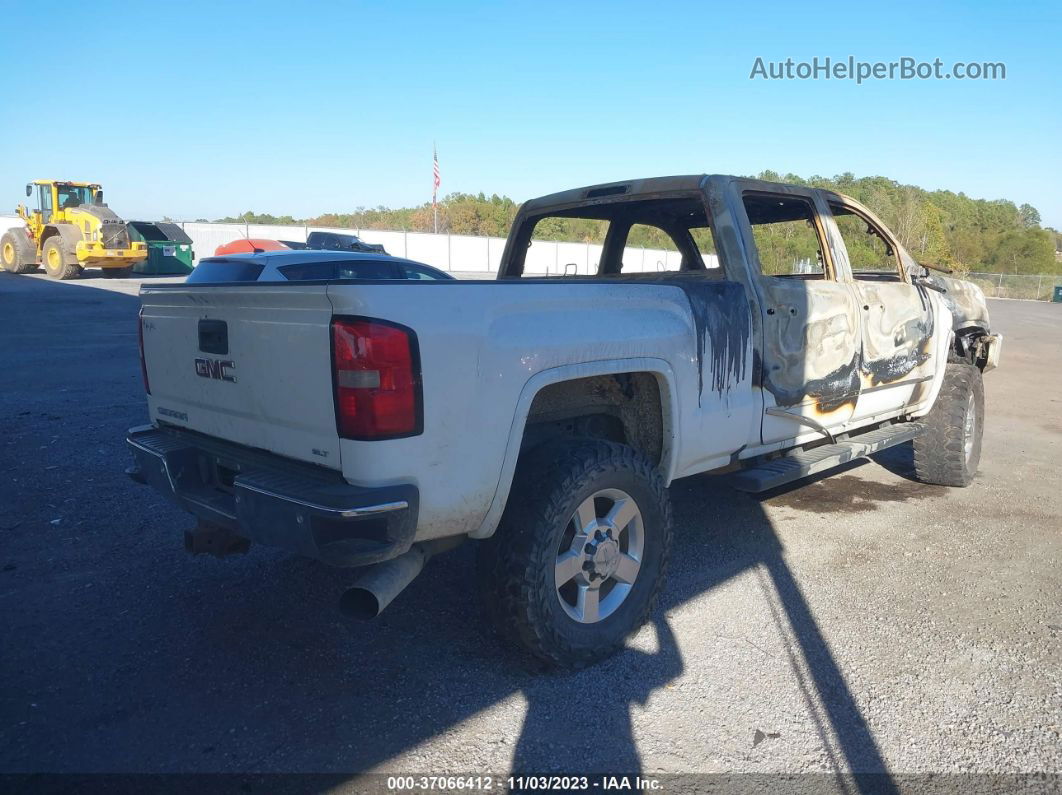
<point>372,423</point>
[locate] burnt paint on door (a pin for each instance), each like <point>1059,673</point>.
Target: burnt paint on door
<point>722,320</point>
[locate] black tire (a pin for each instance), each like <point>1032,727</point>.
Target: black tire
<point>950,450</point>
<point>517,564</point>
<point>17,252</point>
<point>118,273</point>
<point>57,263</point>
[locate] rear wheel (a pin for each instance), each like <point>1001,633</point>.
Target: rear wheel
<point>56,263</point>
<point>950,450</point>
<point>17,252</point>
<point>118,273</point>
<point>579,558</point>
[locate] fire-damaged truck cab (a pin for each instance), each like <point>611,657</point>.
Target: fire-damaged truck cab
<point>704,323</point>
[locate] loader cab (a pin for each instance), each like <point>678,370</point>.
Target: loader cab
<point>70,196</point>
<point>46,201</point>
<point>53,197</point>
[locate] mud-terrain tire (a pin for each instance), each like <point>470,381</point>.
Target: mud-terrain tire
<point>55,261</point>
<point>118,273</point>
<point>561,490</point>
<point>17,252</point>
<point>950,450</point>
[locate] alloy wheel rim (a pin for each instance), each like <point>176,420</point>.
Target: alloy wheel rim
<point>600,556</point>
<point>9,253</point>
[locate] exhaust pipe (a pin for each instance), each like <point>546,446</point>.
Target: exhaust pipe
<point>380,583</point>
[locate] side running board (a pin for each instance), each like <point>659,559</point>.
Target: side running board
<point>777,472</point>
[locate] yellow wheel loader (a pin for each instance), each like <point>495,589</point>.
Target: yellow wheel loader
<point>70,229</point>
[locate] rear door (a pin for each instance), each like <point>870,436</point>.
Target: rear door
<point>809,352</point>
<point>249,364</point>
<point>896,316</point>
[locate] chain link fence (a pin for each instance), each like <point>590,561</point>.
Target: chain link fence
<point>1004,285</point>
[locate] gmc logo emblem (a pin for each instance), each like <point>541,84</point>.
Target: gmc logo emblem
<point>216,369</point>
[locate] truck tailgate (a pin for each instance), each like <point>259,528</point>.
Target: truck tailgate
<point>250,364</point>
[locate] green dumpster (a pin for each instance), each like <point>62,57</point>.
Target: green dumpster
<point>169,248</point>
<point>1057,295</point>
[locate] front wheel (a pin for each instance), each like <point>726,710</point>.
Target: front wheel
<point>56,263</point>
<point>949,452</point>
<point>579,558</point>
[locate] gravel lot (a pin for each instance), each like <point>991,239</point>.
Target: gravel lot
<point>861,622</point>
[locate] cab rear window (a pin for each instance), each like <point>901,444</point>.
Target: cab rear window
<point>224,270</point>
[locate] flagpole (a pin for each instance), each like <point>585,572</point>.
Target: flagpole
<point>435,185</point>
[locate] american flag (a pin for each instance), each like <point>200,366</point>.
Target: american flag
<point>435,182</point>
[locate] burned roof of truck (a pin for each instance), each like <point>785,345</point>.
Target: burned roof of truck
<point>661,187</point>
<point>633,187</point>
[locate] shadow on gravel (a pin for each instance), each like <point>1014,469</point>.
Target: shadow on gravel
<point>737,537</point>
<point>122,654</point>
<point>581,721</point>
<point>99,273</point>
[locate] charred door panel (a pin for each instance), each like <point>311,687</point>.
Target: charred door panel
<point>810,356</point>
<point>897,322</point>
<point>809,351</point>
<point>895,316</point>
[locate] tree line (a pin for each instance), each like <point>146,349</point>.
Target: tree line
<point>938,227</point>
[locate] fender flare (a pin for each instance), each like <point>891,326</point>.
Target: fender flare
<point>69,234</point>
<point>26,246</point>
<point>945,342</point>
<point>22,235</point>
<point>660,368</point>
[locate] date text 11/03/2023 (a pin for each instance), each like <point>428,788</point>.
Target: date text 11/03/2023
<point>525,783</point>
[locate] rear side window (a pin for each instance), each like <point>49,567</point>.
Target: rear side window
<point>367,269</point>
<point>225,270</point>
<point>418,273</point>
<point>638,238</point>
<point>308,271</point>
<point>786,235</point>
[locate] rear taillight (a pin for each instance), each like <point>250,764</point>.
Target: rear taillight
<point>376,370</point>
<point>140,344</point>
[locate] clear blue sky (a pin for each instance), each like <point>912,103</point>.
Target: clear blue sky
<point>203,109</point>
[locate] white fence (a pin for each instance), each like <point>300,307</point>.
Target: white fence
<point>465,253</point>
<point>449,252</point>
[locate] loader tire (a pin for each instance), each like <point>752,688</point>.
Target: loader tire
<point>950,450</point>
<point>536,597</point>
<point>118,273</point>
<point>17,252</point>
<point>56,262</point>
